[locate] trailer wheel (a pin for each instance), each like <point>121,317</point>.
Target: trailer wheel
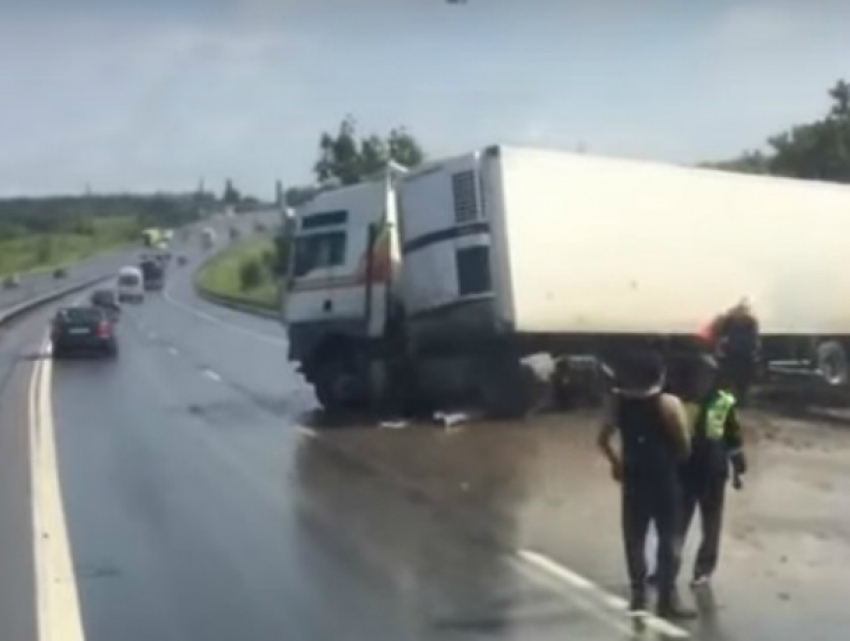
<point>832,363</point>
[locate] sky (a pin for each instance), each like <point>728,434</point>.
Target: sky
<point>142,95</point>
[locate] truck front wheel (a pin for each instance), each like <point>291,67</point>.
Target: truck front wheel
<point>340,384</point>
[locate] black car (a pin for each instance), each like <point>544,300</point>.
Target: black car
<point>60,272</point>
<point>107,300</point>
<point>181,260</point>
<point>83,329</point>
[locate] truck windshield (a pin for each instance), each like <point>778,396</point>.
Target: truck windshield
<point>319,251</point>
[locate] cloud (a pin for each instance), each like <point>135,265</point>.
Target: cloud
<point>752,25</point>
<point>158,94</point>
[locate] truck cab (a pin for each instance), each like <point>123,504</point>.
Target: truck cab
<point>344,260</point>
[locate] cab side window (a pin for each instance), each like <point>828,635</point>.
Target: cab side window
<point>319,251</point>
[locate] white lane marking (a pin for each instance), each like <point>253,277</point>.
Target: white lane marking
<point>173,351</point>
<point>57,600</point>
<point>578,582</point>
<point>306,431</point>
<point>152,335</point>
<point>212,375</point>
<point>213,319</point>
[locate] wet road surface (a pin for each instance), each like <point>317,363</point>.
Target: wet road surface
<point>202,505</point>
<point>42,283</point>
<point>198,510</point>
<point>542,487</point>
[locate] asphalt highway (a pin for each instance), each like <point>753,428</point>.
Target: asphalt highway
<point>204,500</point>
<point>200,505</point>
<point>41,283</point>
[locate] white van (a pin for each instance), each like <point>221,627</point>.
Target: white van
<point>131,285</point>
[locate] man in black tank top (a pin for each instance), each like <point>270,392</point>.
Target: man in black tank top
<point>654,441</point>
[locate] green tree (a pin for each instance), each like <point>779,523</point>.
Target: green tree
<point>231,195</point>
<point>818,150</point>
<point>349,159</point>
<point>751,162</point>
<point>373,156</point>
<point>404,148</point>
<point>339,155</point>
<point>840,93</point>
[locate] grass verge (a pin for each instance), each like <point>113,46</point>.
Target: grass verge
<point>38,252</point>
<point>221,275</point>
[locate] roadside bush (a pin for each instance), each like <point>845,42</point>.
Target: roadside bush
<point>250,274</point>
<point>268,261</point>
<point>44,249</point>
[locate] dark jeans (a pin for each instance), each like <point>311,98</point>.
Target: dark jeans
<point>706,489</point>
<point>658,502</point>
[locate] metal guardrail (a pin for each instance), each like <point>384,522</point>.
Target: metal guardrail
<point>22,308</point>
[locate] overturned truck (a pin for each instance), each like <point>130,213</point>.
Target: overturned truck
<point>448,277</point>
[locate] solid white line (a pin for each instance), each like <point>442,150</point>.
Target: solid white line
<point>57,600</point>
<point>544,562</point>
<point>212,375</point>
<point>583,584</point>
<point>152,336</point>
<point>173,351</point>
<point>213,319</point>
<point>307,431</point>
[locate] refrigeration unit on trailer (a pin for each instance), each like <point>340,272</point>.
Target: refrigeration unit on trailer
<point>511,252</point>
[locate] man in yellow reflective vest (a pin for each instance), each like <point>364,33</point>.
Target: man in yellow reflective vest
<point>715,446</point>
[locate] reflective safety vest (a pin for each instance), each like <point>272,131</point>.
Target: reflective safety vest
<point>716,414</point>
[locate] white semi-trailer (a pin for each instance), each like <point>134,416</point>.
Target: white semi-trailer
<point>481,260</point>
